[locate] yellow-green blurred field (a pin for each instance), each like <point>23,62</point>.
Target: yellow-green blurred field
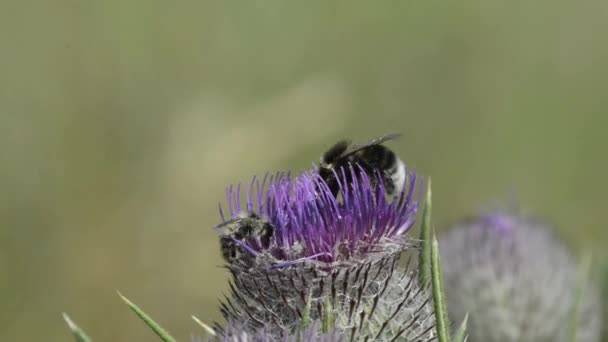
<point>123,121</point>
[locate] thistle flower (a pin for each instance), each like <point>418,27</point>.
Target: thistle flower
<point>331,258</point>
<point>516,281</point>
<point>312,224</point>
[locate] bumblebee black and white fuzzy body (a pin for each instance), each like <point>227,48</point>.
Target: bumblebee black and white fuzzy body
<point>248,228</point>
<point>374,158</point>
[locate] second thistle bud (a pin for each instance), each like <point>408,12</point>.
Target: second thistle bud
<point>516,281</point>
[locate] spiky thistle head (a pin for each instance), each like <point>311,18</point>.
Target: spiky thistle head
<point>515,279</point>
<point>329,256</point>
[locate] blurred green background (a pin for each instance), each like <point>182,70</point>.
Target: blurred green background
<point>123,121</point>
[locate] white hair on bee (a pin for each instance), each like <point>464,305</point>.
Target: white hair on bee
<point>399,176</point>
<point>245,214</point>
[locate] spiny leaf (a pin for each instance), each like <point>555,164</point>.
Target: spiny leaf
<point>441,315</point>
<point>424,256</point>
<point>160,332</point>
<point>209,330</point>
<point>328,317</point>
<point>305,316</point>
<point>604,292</point>
<point>461,333</point>
<point>581,283</point>
<point>79,334</point>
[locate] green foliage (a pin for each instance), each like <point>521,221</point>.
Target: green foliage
<point>305,316</point>
<point>429,265</point>
<point>461,333</point>
<point>424,256</point>
<point>581,284</point>
<point>79,334</point>
<point>604,292</point>
<point>441,315</point>
<point>328,317</point>
<point>158,330</point>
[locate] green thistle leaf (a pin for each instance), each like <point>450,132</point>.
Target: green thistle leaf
<point>604,291</point>
<point>328,317</point>
<point>305,316</point>
<point>160,332</point>
<point>424,256</point>
<point>461,333</point>
<point>441,315</point>
<point>581,284</point>
<point>79,334</point>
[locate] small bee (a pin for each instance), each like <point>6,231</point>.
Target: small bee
<point>373,158</point>
<point>247,227</point>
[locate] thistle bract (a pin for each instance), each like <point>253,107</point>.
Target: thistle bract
<point>236,332</point>
<point>374,300</point>
<point>516,281</point>
<point>312,224</point>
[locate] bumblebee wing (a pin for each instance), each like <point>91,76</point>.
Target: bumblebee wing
<point>358,147</point>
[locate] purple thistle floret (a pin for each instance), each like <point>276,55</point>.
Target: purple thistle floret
<point>313,224</point>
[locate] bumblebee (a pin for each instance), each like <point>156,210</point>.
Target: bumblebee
<point>375,159</point>
<point>248,227</point>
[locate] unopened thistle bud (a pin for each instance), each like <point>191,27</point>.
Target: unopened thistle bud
<point>516,281</point>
